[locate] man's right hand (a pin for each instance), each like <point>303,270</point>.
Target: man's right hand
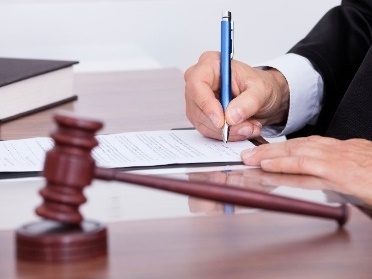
<point>260,97</point>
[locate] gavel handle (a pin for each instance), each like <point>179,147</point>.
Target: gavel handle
<point>233,195</point>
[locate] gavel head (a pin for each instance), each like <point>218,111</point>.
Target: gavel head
<point>68,168</point>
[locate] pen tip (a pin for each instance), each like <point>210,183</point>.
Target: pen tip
<point>225,133</point>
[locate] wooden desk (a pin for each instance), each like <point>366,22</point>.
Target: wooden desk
<point>124,101</point>
<point>261,245</point>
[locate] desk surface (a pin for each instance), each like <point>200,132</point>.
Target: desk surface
<point>263,245</point>
<point>124,101</point>
<point>260,245</point>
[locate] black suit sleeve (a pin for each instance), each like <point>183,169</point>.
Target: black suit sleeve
<point>336,46</point>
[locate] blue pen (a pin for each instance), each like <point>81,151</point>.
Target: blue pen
<point>227,52</point>
<point>228,208</point>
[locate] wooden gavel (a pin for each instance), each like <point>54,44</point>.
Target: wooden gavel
<point>69,167</point>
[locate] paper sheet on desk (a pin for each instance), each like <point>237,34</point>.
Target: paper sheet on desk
<point>153,148</point>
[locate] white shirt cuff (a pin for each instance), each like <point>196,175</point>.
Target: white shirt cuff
<point>306,93</point>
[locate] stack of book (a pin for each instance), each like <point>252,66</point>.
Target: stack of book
<point>30,85</point>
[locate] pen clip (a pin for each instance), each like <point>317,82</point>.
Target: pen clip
<point>232,39</point>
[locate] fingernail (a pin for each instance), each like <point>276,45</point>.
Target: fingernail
<point>214,120</point>
<point>245,131</point>
<point>235,115</point>
<point>256,132</point>
<point>248,153</point>
<point>266,163</point>
<point>257,123</point>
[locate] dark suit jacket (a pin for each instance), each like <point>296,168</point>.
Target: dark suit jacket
<point>339,48</point>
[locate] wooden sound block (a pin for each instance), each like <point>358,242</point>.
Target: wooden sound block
<point>51,241</point>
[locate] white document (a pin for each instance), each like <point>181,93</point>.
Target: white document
<point>153,148</point>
